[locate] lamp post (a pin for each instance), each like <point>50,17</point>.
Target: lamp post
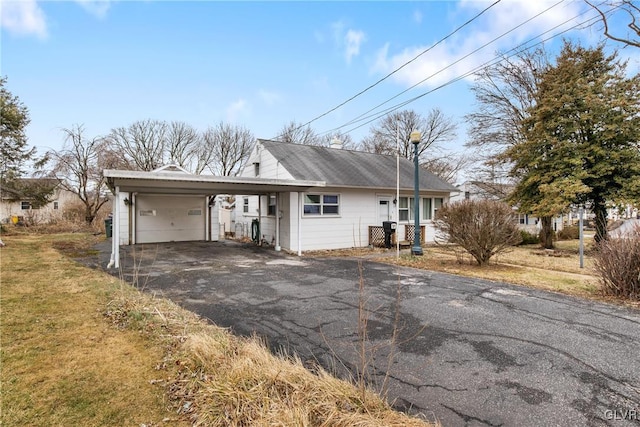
<point>415,140</point>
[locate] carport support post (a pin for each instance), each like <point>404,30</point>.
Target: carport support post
<point>115,232</point>
<point>278,222</point>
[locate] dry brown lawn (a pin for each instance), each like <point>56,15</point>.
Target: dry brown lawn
<point>79,347</point>
<point>557,270</point>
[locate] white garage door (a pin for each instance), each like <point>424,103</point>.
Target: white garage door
<point>169,218</point>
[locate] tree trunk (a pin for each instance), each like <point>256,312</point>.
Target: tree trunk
<point>600,211</point>
<point>89,215</point>
<point>546,232</point>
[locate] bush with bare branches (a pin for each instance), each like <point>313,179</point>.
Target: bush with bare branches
<point>483,228</point>
<point>617,263</point>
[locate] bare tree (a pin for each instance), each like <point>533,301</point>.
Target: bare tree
<point>182,142</point>
<point>224,148</point>
<point>79,165</point>
<point>620,7</point>
<point>435,128</point>
<point>295,133</point>
<point>142,144</point>
<point>505,94</point>
<point>446,167</point>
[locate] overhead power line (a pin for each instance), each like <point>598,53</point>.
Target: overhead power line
<point>397,69</point>
<point>455,62</point>
<point>523,46</point>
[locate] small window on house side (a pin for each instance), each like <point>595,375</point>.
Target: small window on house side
<point>256,169</point>
<point>271,210</point>
<point>245,205</point>
<point>55,205</point>
<point>467,195</point>
<point>25,205</point>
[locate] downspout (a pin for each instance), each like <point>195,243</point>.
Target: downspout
<point>259,220</point>
<point>207,220</point>
<point>130,212</point>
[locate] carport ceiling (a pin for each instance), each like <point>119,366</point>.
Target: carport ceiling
<point>183,183</point>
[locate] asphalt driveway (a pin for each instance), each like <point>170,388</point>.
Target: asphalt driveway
<point>470,352</point>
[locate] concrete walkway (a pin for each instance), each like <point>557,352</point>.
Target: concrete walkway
<point>469,352</point>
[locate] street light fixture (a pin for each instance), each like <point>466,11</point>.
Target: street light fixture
<point>415,140</point>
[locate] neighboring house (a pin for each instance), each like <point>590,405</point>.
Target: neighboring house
<point>359,193</point>
<point>478,190</point>
<point>15,204</point>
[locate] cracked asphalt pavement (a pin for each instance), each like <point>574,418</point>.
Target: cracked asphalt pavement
<point>468,352</point>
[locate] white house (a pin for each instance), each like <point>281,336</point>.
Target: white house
<point>479,190</point>
<point>359,193</point>
<point>14,204</point>
<point>325,198</point>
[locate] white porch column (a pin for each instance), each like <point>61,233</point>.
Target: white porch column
<point>115,232</point>
<point>277,248</point>
<point>300,210</point>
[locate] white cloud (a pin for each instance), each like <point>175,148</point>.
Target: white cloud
<point>269,97</point>
<point>353,39</point>
<point>237,109</point>
<point>501,18</point>
<point>348,40</point>
<point>417,16</point>
<point>97,8</point>
<point>23,18</point>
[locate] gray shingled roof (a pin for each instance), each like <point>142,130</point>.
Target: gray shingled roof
<point>346,168</point>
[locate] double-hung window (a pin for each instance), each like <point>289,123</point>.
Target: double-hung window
<point>427,208</point>
<point>271,209</point>
<point>321,204</point>
<point>406,208</point>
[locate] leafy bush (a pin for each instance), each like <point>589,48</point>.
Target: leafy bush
<point>617,262</point>
<point>528,238</point>
<point>482,227</point>
<point>569,232</point>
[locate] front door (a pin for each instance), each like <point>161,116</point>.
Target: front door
<point>384,209</point>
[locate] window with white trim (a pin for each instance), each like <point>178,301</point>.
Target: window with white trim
<point>426,208</point>
<point>25,205</point>
<point>271,209</point>
<point>245,205</point>
<point>406,209</point>
<point>437,204</point>
<point>322,204</point>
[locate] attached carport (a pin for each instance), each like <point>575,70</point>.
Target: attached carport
<point>170,204</point>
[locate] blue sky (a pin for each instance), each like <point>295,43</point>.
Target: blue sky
<point>261,65</point>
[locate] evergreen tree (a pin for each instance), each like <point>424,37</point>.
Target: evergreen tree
<point>14,152</point>
<point>581,141</point>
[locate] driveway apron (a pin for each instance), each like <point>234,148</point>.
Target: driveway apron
<point>467,352</point>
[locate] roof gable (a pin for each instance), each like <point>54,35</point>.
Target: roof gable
<point>347,168</point>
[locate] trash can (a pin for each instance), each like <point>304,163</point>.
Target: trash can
<point>108,227</point>
<point>389,228</point>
